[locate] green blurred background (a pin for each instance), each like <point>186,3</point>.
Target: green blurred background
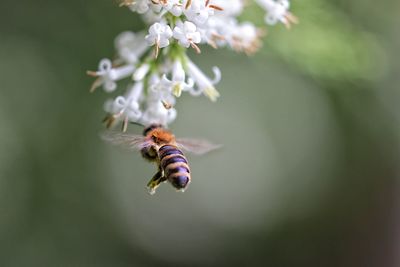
<point>308,175</point>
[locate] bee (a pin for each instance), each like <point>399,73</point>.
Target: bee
<point>159,145</point>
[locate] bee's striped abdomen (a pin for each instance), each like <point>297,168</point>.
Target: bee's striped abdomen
<point>175,166</point>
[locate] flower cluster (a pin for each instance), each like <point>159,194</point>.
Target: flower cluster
<point>157,62</point>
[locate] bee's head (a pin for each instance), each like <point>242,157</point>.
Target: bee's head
<point>150,128</point>
<point>179,182</point>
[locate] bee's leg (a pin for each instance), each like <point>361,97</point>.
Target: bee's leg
<point>157,179</point>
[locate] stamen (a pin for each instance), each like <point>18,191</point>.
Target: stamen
<point>126,3</point>
<point>166,104</point>
<point>91,73</point>
<point>96,84</point>
<point>109,121</point>
<point>157,48</point>
<point>216,7</point>
<point>125,125</point>
<point>213,44</point>
<point>195,47</point>
<point>293,18</point>
<point>188,3</point>
<point>289,20</point>
<point>218,36</point>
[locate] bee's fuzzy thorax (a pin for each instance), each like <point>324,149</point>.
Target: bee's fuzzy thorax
<point>162,136</point>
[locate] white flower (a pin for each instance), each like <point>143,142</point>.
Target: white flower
<point>277,11</point>
<point>139,6</point>
<point>198,12</point>
<point>209,31</point>
<point>141,72</point>
<point>177,82</point>
<point>172,6</point>
<point>176,8</point>
<point>159,81</point>
<point>156,7</point>
<point>246,38</point>
<point>186,33</point>
<point>231,7</point>
<point>126,107</point>
<point>203,83</point>
<point>130,46</point>
<point>160,91</point>
<point>159,35</point>
<point>107,75</point>
<point>219,30</point>
<point>155,111</point>
<point>151,17</point>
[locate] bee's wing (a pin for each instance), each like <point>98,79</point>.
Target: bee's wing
<point>129,141</point>
<point>196,146</point>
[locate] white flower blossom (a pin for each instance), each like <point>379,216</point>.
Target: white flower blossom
<point>156,113</point>
<point>176,8</point>
<point>246,38</point>
<point>160,91</point>
<point>141,72</point>
<point>127,106</point>
<point>159,35</point>
<point>204,84</point>
<point>186,34</point>
<point>107,75</point>
<point>231,7</point>
<point>130,46</point>
<point>177,82</point>
<point>198,12</point>
<point>172,6</point>
<point>277,11</point>
<point>152,17</point>
<point>155,109</point>
<point>139,6</point>
<point>160,78</point>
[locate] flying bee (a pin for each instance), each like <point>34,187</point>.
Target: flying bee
<point>159,145</point>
